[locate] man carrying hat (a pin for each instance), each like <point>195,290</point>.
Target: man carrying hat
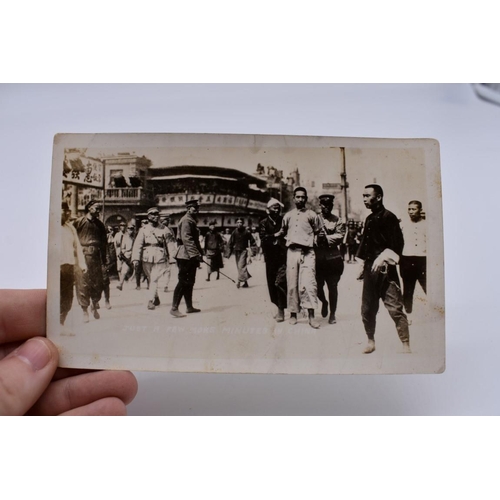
<point>300,226</point>
<point>189,255</point>
<point>329,261</point>
<point>150,248</point>
<point>274,250</point>
<point>93,238</point>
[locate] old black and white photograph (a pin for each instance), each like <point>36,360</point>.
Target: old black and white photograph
<point>246,254</point>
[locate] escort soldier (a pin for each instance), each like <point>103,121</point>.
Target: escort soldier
<point>189,255</point>
<point>300,226</point>
<point>93,238</point>
<point>380,248</point>
<point>329,261</point>
<point>150,248</point>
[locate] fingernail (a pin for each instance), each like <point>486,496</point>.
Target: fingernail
<point>35,353</point>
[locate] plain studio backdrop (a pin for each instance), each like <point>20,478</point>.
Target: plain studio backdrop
<point>467,129</point>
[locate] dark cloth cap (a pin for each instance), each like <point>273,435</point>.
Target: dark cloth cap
<point>192,203</point>
<point>153,210</point>
<point>90,204</point>
<point>300,188</point>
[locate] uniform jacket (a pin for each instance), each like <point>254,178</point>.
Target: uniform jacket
<point>188,237</point>
<point>151,244</point>
<point>92,235</point>
<point>330,237</point>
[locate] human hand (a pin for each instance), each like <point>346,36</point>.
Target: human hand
<point>31,383</point>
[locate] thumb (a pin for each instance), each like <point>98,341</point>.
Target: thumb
<point>25,374</point>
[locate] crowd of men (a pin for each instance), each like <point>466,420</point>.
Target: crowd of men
<point>303,251</point>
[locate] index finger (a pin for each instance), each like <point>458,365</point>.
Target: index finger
<point>22,314</point>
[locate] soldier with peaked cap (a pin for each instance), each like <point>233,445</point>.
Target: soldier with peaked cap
<point>329,261</point>
<point>93,238</point>
<point>189,255</point>
<point>274,250</point>
<point>150,248</point>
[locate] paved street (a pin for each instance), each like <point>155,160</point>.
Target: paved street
<point>238,323</point>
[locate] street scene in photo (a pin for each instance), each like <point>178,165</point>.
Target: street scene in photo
<point>246,254</point>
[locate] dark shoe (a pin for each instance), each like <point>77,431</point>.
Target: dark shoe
<point>324,309</point>
<point>119,287</point>
<point>332,319</point>
<point>280,317</point>
<point>370,347</point>
<point>176,313</point>
<point>151,305</point>
<point>208,279</point>
<point>156,302</point>
<point>217,276</point>
<point>245,285</point>
<point>96,314</point>
<point>165,289</point>
<point>192,310</point>
<point>238,284</point>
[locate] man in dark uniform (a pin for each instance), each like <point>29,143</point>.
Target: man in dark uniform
<point>274,250</point>
<point>189,255</point>
<point>380,248</point>
<point>329,261</point>
<point>93,238</point>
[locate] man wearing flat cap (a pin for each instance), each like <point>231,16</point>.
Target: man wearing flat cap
<point>189,255</point>
<point>150,248</point>
<point>274,250</point>
<point>93,238</point>
<point>300,226</point>
<point>329,261</point>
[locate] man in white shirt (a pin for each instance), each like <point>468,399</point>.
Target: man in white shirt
<point>71,256</point>
<point>414,259</point>
<point>300,226</point>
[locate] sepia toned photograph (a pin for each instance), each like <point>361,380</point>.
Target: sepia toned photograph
<point>246,254</point>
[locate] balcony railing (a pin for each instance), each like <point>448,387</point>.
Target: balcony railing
<point>124,194</point>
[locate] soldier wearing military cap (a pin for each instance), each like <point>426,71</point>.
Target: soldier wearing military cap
<point>189,255</point>
<point>93,238</point>
<point>150,248</point>
<point>329,261</point>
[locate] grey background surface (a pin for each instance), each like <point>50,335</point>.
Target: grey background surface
<point>467,130</point>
